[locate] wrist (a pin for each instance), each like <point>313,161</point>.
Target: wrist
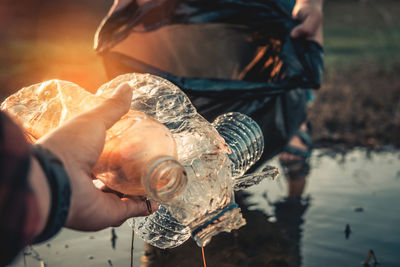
<point>41,191</point>
<point>60,192</point>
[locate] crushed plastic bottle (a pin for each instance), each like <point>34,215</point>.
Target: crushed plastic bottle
<point>139,156</point>
<point>215,157</point>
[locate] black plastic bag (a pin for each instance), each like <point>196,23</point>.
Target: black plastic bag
<point>272,68</point>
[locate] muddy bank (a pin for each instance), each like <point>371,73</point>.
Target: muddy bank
<point>358,106</point>
<point>359,102</point>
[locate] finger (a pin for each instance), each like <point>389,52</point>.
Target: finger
<point>308,27</point>
<point>138,207</point>
<point>112,109</point>
<point>117,210</point>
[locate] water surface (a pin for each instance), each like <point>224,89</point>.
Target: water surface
<point>358,189</point>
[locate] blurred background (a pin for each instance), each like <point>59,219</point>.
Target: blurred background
<point>46,39</point>
<point>348,207</point>
<point>42,40</point>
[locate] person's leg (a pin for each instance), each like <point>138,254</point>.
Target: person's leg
<point>295,157</point>
<point>295,142</point>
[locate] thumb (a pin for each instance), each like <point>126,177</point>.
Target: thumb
<point>112,109</point>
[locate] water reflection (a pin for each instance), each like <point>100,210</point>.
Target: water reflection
<point>284,229</point>
<point>358,189</point>
<point>266,239</point>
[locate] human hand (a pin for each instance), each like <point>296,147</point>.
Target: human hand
<point>79,143</point>
<point>309,12</point>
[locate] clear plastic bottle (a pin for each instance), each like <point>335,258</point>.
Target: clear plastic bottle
<point>245,140</point>
<point>139,156</point>
<point>214,156</point>
<point>244,137</point>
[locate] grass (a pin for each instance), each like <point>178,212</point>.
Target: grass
<point>358,33</point>
<point>359,102</point>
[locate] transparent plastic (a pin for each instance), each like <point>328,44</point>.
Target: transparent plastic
<point>210,157</point>
<point>213,165</point>
<point>244,137</point>
<point>139,156</point>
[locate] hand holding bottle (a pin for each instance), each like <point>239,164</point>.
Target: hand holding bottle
<point>79,143</point>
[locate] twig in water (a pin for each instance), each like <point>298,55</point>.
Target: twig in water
<point>132,239</point>
<point>113,238</point>
<point>24,259</point>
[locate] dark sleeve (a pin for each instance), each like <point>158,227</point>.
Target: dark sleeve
<point>17,202</point>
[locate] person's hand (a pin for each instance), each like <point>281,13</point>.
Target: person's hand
<point>79,143</point>
<point>309,12</point>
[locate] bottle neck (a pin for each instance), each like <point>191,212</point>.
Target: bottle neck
<point>165,179</point>
<point>244,137</point>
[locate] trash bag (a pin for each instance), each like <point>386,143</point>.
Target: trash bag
<point>226,55</point>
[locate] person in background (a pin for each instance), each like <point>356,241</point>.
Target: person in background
<point>296,153</point>
<point>217,51</point>
<point>48,185</point>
